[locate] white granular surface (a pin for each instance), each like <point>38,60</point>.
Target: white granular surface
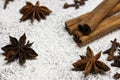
<point>55,47</point>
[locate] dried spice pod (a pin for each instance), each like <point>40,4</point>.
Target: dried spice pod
<point>90,23</point>
<point>111,50</point>
<point>32,12</point>
<point>76,4</point>
<point>90,63</point>
<point>116,62</point>
<point>106,26</point>
<point>66,5</point>
<point>72,24</point>
<point>6,3</point>
<point>116,76</point>
<point>19,49</point>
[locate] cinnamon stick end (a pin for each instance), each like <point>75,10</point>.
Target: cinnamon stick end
<point>67,29</point>
<point>85,29</point>
<point>76,38</point>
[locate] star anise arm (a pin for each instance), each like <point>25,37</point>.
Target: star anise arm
<point>7,48</point>
<point>110,57</point>
<point>107,51</point>
<point>42,15</point>
<point>26,7</point>
<point>37,16</point>
<point>82,57</point>
<point>33,16</point>
<point>37,4</point>
<point>96,69</point>
<point>97,56</point>
<point>89,53</point>
<point>22,58</point>
<point>22,39</point>
<point>45,10</point>
<point>28,44</point>
<point>30,53</point>
<point>80,65</point>
<point>12,58</point>
<point>88,68</point>
<point>102,66</point>
<point>13,40</point>
<point>26,15</point>
<point>9,54</point>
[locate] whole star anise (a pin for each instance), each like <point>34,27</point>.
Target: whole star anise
<point>19,49</point>
<point>90,63</point>
<point>6,3</point>
<point>32,12</point>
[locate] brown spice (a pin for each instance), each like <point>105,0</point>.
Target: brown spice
<point>90,63</point>
<point>71,25</point>
<point>66,5</point>
<point>116,76</point>
<point>6,3</point>
<point>111,50</point>
<point>76,4</point>
<point>106,26</point>
<point>90,23</point>
<point>32,12</point>
<point>19,49</point>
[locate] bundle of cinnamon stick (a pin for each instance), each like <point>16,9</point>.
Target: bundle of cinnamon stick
<point>95,24</point>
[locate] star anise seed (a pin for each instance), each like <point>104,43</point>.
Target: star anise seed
<point>19,50</point>
<point>32,12</point>
<point>90,63</point>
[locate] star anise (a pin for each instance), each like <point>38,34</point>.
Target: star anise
<point>116,76</point>
<point>6,3</point>
<point>90,63</point>
<point>32,12</point>
<point>112,50</point>
<point>19,50</point>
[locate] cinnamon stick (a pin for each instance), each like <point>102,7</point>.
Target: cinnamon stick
<point>106,26</point>
<point>71,25</point>
<point>90,23</point>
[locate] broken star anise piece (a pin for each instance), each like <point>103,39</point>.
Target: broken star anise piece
<point>116,62</point>
<point>6,3</point>
<point>19,49</point>
<point>116,76</point>
<point>90,63</point>
<point>32,12</point>
<point>111,50</point>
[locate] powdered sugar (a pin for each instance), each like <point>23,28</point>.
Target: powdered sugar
<point>55,47</point>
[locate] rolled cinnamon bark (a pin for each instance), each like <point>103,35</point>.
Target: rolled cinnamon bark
<point>106,26</point>
<point>90,23</point>
<point>71,25</point>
